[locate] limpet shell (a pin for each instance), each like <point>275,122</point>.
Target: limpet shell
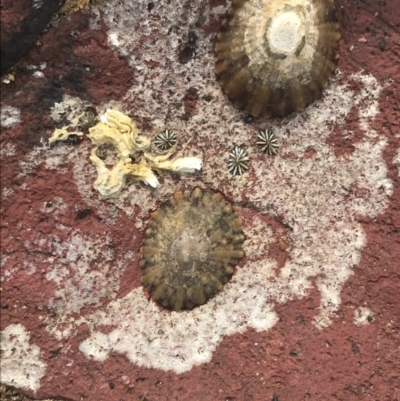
<point>190,248</point>
<point>275,57</point>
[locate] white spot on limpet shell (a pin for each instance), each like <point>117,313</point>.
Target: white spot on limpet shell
<point>285,33</point>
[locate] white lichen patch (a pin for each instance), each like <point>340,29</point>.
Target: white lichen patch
<point>259,236</point>
<point>20,363</point>
<point>7,150</point>
<point>179,340</point>
<point>320,195</point>
<point>9,116</point>
<point>84,274</point>
<point>71,109</point>
<point>362,316</point>
<point>7,192</point>
<point>33,159</point>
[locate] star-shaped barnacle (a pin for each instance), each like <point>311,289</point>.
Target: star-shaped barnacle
<point>268,142</point>
<point>165,140</point>
<point>238,162</point>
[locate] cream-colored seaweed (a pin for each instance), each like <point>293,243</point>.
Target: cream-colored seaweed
<point>119,130</point>
<point>62,134</point>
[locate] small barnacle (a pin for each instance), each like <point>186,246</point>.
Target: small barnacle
<point>267,142</point>
<point>190,248</point>
<point>87,120</point>
<point>238,161</point>
<point>165,140</point>
<point>275,57</point>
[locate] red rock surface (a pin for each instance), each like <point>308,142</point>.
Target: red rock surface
<point>21,24</point>
<point>294,359</point>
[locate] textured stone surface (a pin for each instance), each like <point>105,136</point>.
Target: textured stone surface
<point>311,312</point>
<point>22,21</point>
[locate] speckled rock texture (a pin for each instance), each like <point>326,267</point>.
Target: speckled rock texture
<point>312,311</point>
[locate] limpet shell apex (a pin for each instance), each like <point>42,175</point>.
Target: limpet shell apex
<point>190,248</point>
<point>275,57</point>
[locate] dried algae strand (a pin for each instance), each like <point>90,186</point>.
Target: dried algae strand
<point>190,248</point>
<point>62,134</point>
<point>133,153</point>
<point>120,131</point>
<point>275,57</point>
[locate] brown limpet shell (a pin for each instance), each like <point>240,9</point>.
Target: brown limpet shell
<point>275,57</point>
<point>190,248</point>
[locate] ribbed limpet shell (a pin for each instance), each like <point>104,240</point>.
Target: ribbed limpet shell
<point>275,57</point>
<point>190,248</point>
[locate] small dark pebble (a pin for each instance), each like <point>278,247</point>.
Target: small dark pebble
<point>73,139</point>
<point>186,54</point>
<point>150,6</point>
<point>382,46</point>
<point>248,119</point>
<point>112,385</point>
<point>57,83</point>
<point>192,38</point>
<point>207,98</point>
<point>84,213</point>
